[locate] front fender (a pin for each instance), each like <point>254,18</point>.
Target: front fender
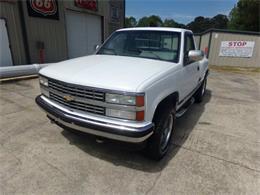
<point>158,92</point>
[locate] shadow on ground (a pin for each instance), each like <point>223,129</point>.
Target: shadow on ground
<point>122,155</point>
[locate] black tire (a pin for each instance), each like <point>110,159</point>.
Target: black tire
<point>201,91</point>
<point>158,143</point>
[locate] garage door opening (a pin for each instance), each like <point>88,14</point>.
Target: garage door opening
<point>84,32</point>
<point>5,52</point>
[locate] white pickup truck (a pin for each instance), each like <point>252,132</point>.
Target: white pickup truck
<point>132,89</point>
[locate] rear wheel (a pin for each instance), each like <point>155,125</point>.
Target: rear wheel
<point>159,142</point>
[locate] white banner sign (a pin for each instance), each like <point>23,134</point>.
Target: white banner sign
<point>242,49</point>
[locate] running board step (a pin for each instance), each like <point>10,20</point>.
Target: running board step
<point>184,109</point>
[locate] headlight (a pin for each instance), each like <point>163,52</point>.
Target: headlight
<point>121,114</point>
<point>120,99</point>
<point>129,115</point>
<point>43,81</point>
<point>44,86</point>
<point>45,91</point>
<point>136,102</point>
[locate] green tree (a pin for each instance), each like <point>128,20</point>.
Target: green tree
<point>173,23</point>
<point>180,25</point>
<point>199,24</point>
<point>153,21</point>
<point>219,21</point>
<point>169,23</point>
<point>245,16</point>
<point>143,22</point>
<point>130,22</point>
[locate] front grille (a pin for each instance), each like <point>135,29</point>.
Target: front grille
<point>58,89</point>
<point>76,90</point>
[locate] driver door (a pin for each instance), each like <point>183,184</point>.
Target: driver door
<point>191,69</point>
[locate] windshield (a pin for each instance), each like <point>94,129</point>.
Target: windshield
<point>160,45</point>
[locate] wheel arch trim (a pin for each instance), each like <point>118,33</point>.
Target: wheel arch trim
<point>170,97</point>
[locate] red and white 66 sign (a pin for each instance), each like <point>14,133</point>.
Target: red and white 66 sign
<point>46,7</point>
<point>43,8</point>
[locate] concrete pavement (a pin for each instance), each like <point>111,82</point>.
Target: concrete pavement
<point>215,150</point>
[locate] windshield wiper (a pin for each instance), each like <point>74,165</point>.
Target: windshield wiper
<point>157,57</point>
<point>110,49</point>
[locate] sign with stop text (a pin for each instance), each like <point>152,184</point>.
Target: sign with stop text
<point>43,9</point>
<point>241,49</point>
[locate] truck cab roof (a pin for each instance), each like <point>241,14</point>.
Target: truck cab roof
<point>156,29</point>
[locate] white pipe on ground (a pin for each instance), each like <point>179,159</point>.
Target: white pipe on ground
<point>20,70</point>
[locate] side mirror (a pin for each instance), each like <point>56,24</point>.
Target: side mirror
<point>195,55</point>
<point>96,47</point>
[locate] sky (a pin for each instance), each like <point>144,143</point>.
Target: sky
<point>182,11</point>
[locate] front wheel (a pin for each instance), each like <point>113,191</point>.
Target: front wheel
<point>159,142</point>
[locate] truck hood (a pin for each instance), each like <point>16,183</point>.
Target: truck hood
<point>107,71</point>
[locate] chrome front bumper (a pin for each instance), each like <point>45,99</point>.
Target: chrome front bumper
<point>126,131</point>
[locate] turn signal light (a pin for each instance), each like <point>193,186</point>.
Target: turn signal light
<point>139,101</point>
<point>140,115</point>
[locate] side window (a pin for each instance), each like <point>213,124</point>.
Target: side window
<point>189,45</point>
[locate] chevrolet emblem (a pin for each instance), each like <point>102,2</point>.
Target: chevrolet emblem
<point>68,98</point>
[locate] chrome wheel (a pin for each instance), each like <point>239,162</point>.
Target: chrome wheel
<point>166,132</point>
<point>201,91</point>
<point>164,120</point>
<point>203,88</point>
